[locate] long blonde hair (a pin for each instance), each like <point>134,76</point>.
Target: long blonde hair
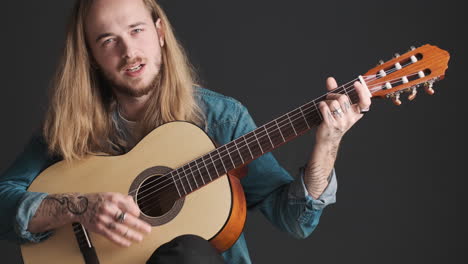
<point>79,118</point>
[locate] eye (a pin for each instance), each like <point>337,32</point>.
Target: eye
<point>108,41</point>
<point>137,30</point>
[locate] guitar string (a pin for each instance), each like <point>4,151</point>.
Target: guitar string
<point>196,165</point>
<point>227,149</point>
<point>387,72</point>
<point>369,80</point>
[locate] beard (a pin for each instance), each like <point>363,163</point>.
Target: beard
<point>129,89</point>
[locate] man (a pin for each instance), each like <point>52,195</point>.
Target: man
<point>122,74</point>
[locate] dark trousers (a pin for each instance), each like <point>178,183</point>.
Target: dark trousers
<point>186,249</point>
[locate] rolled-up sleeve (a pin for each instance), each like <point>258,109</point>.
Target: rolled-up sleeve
<point>17,205</point>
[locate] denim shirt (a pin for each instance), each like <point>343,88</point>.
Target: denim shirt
<point>268,187</point>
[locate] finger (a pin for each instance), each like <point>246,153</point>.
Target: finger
<point>137,224</point>
<point>132,221</point>
<point>122,230</point>
<point>343,100</point>
<point>364,96</point>
<point>326,113</point>
<point>125,203</point>
<point>106,227</point>
<point>331,83</point>
<point>114,237</point>
<point>335,108</point>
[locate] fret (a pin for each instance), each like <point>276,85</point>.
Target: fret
<point>193,174</point>
<point>221,160</point>
<point>238,150</point>
<point>274,134</point>
<point>299,123</point>
<point>292,125</point>
<point>230,158</point>
<point>189,169</point>
<point>180,180</point>
<point>279,129</point>
<point>303,116</point>
<point>262,136</point>
<point>317,110</point>
<point>285,127</point>
<point>177,188</point>
<point>271,142</point>
<point>206,168</point>
<point>246,144</point>
<point>214,164</point>
<point>199,171</point>
<point>253,144</point>
<point>186,178</point>
<point>202,177</point>
<point>346,92</point>
<point>233,154</point>
<point>260,145</point>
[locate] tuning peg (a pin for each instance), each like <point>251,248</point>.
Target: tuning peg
<point>396,55</point>
<point>396,99</point>
<point>428,88</point>
<point>414,91</point>
<point>412,48</point>
<point>381,62</point>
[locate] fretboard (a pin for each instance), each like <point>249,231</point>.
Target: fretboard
<point>252,145</point>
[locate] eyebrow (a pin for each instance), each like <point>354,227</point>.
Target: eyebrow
<point>104,35</point>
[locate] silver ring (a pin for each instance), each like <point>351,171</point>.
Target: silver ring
<point>337,111</point>
<point>120,218</point>
<point>363,111</point>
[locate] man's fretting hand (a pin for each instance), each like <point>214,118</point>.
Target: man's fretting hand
<point>339,115</point>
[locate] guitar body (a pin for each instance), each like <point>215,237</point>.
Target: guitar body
<point>215,212</point>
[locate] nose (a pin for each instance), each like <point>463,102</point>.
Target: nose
<point>128,49</point>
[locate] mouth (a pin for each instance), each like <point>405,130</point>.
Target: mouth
<point>134,70</point>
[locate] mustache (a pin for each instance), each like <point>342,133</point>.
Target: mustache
<point>125,63</point>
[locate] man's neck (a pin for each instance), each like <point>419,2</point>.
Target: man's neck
<point>132,108</point>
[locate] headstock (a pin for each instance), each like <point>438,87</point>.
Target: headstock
<point>405,73</point>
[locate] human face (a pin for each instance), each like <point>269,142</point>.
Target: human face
<point>125,44</point>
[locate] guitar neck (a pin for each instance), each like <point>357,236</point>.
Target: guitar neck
<point>252,145</point>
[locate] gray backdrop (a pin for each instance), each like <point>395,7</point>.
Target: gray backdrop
<point>401,179</point>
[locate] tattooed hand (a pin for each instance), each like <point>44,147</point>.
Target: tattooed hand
<point>97,212</point>
<point>339,115</point>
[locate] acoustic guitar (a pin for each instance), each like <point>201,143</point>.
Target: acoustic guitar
<point>184,184</point>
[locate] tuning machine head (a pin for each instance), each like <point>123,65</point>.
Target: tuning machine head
<point>395,98</point>
<point>413,92</point>
<point>428,87</point>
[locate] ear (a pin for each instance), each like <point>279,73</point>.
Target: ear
<point>160,31</point>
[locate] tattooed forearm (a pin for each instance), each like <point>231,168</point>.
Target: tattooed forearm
<point>319,168</point>
<point>57,210</point>
<point>77,206</point>
<point>315,179</point>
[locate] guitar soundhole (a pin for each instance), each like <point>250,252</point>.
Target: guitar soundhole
<point>156,196</point>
